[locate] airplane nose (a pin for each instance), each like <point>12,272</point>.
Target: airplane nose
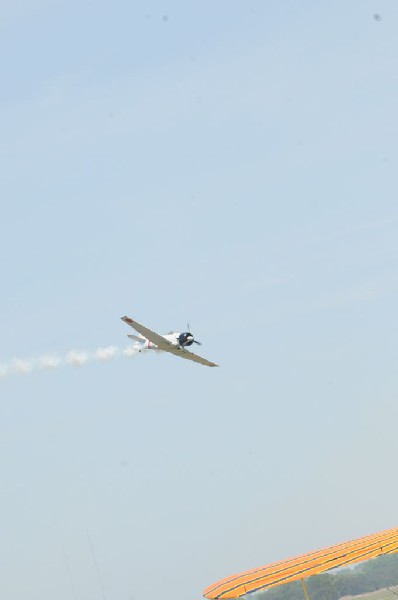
<point>185,339</point>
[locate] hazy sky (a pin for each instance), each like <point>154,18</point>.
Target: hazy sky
<point>232,164</point>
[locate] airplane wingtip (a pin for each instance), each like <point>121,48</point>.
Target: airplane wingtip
<point>126,319</point>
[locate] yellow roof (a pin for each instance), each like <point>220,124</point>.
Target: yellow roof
<point>305,565</point>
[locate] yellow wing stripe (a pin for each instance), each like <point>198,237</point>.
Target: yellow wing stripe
<point>305,565</point>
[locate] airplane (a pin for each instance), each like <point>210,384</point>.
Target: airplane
<point>173,342</point>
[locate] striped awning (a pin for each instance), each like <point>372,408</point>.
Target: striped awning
<point>305,565</point>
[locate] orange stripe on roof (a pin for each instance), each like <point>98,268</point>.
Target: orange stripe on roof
<point>305,565</point>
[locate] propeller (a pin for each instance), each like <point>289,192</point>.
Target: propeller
<point>186,338</point>
<point>194,341</point>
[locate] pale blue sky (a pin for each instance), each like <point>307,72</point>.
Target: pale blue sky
<point>234,165</point>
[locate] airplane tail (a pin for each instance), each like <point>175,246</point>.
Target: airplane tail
<point>137,338</point>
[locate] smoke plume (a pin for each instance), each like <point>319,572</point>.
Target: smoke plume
<point>75,358</point>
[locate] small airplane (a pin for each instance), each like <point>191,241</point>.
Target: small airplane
<point>173,342</point>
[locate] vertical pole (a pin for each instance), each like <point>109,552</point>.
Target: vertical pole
<point>305,589</point>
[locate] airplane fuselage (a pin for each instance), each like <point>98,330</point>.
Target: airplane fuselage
<point>178,340</point>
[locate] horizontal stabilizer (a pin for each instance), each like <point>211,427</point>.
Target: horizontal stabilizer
<point>135,337</point>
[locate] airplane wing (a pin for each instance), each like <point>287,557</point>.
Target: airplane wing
<point>165,345</point>
<point>150,335</point>
<point>190,356</point>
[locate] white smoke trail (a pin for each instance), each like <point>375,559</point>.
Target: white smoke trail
<point>75,358</point>
<point>4,370</point>
<point>49,361</point>
<point>131,350</point>
<point>106,353</point>
<point>22,367</point>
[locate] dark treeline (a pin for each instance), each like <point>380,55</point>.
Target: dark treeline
<point>373,575</point>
